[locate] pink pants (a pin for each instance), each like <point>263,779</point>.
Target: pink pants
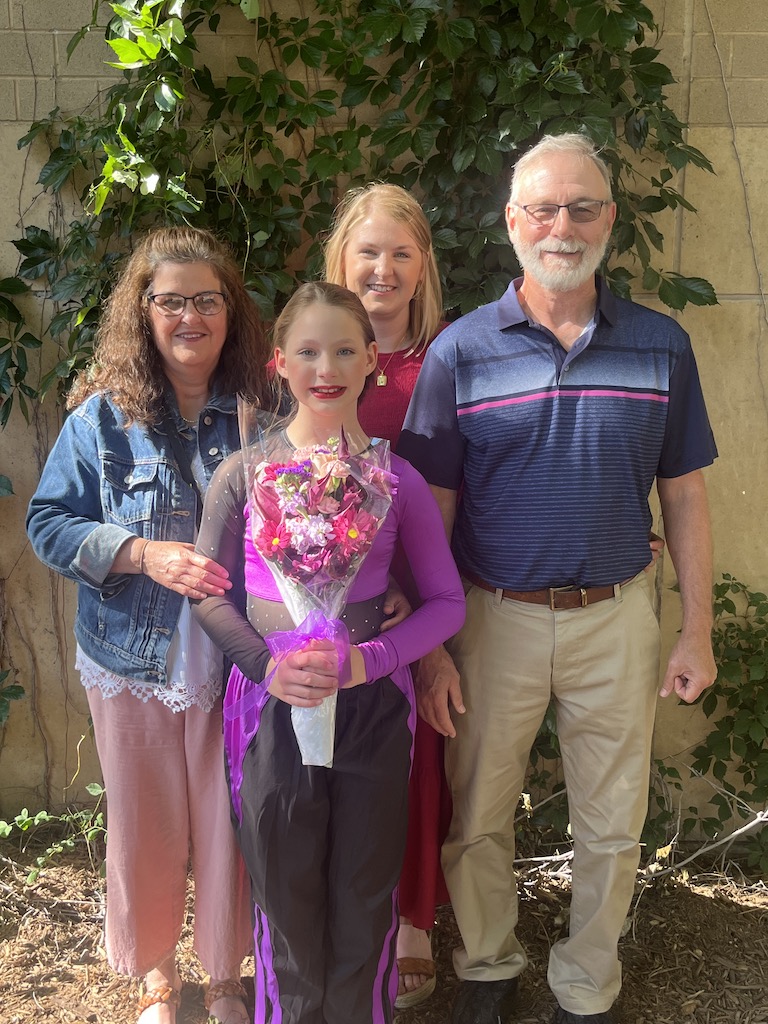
<point>167,802</point>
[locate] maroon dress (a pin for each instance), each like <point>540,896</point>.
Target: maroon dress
<point>422,886</point>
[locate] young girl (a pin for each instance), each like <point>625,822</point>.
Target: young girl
<point>324,847</point>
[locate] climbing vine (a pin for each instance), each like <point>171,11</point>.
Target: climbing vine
<point>437,95</point>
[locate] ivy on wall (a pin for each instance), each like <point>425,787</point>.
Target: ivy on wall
<point>436,95</point>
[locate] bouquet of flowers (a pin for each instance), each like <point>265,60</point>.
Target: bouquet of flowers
<point>314,514</point>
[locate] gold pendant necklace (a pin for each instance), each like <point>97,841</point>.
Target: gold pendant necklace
<point>382,380</point>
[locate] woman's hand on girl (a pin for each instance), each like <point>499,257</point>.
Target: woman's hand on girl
<point>305,678</point>
<point>180,568</point>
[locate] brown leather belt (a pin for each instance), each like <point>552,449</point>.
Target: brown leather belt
<point>556,598</point>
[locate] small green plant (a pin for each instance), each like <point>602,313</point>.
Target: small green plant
<point>69,830</point>
<point>15,343</point>
<point>736,746</point>
<point>8,691</point>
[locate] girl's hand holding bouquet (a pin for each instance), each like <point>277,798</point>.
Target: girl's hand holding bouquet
<point>304,678</point>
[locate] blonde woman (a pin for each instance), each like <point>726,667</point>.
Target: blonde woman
<point>381,249</point>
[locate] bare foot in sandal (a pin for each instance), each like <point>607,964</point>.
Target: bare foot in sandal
<point>225,1002</point>
<point>161,995</point>
<point>416,968</point>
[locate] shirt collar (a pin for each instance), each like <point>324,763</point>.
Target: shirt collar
<point>511,312</point>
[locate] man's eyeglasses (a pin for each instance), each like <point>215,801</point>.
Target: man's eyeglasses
<point>582,212</point>
<point>172,304</point>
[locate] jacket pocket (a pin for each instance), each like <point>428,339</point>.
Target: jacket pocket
<point>134,493</point>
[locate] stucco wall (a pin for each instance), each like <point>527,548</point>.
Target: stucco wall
<point>715,49</point>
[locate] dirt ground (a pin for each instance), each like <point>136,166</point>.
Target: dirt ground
<point>695,951</point>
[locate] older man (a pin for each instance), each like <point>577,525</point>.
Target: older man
<point>551,412</point>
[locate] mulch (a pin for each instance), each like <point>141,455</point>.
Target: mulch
<point>695,951</point>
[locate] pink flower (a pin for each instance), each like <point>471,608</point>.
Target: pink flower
<point>354,530</point>
<point>328,506</point>
<point>328,464</point>
<point>271,539</point>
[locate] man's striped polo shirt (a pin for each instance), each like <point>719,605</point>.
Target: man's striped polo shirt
<point>555,453</point>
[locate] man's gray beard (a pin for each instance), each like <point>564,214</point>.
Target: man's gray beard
<point>564,279</point>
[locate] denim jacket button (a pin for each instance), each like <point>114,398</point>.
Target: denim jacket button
<point>207,421</point>
<point>213,451</point>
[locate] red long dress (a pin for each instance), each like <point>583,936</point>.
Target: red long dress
<point>422,886</point>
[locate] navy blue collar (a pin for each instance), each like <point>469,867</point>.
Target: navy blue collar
<point>511,312</point>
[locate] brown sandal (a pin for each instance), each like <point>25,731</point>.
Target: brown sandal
<point>416,965</point>
<point>159,994</point>
<point>231,988</point>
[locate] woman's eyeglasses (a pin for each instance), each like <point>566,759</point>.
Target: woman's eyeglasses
<point>172,304</point>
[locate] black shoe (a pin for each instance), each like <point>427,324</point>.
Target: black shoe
<point>484,1002</point>
<point>566,1017</point>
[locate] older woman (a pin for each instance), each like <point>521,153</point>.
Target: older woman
<point>381,248</point>
<point>117,510</point>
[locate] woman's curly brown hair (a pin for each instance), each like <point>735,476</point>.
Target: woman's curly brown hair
<point>126,364</point>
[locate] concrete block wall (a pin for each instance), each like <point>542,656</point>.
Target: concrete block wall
<point>715,50</point>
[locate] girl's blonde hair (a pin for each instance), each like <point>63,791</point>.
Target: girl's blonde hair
<point>426,307</point>
<point>328,294</point>
<point>126,364</point>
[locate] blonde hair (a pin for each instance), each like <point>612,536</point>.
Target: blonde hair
<point>578,145</point>
<point>126,364</point>
<point>426,306</point>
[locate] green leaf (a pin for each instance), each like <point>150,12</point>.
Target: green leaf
<point>250,9</point>
<point>164,97</point>
<point>354,95</point>
<point>618,30</point>
<point>525,11</point>
<point>415,26</point>
<point>13,286</point>
<point>58,169</point>
<point>677,292</point>
<point>654,235</point>
<point>651,279</point>
<point>589,20</point>
<point>462,158</point>
<point>569,82</point>
<point>448,44</point>
<point>129,54</point>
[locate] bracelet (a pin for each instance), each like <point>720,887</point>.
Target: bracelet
<point>141,556</point>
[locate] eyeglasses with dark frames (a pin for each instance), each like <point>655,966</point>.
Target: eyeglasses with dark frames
<point>173,304</point>
<point>584,211</point>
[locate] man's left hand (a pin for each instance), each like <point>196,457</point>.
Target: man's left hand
<point>691,668</point>
<point>397,607</point>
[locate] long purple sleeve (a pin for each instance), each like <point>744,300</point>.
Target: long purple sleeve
<point>420,529</point>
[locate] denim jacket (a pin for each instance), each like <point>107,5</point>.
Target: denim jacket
<point>103,483</point>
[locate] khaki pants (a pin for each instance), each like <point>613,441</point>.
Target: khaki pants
<point>600,664</point>
<point>167,803</point>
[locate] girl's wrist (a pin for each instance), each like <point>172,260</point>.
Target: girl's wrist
<point>357,667</point>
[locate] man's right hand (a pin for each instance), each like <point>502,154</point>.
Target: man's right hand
<point>438,688</point>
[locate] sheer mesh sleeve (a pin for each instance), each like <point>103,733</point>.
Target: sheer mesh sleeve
<point>221,538</point>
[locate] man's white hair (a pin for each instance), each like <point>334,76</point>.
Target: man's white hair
<point>580,146</point>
